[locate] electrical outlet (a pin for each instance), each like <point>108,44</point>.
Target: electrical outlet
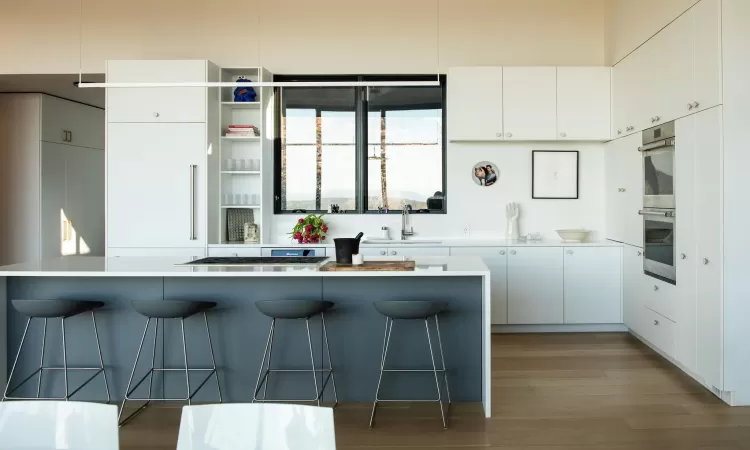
<point>467,230</point>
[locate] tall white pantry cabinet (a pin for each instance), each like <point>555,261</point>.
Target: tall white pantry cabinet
<point>51,178</point>
<point>160,146</point>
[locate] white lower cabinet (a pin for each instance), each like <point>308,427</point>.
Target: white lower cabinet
<point>657,329</point>
<point>404,251</point>
<point>410,252</point>
<point>496,259</point>
<point>633,280</point>
<point>373,251</point>
<point>535,285</point>
<point>592,285</point>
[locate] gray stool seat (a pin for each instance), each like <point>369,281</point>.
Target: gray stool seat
<point>54,308</point>
<point>409,309</point>
<point>292,309</point>
<point>170,309</point>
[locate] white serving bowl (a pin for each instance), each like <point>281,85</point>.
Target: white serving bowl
<point>575,235</point>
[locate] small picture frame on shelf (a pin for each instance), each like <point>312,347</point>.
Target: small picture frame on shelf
<point>554,174</point>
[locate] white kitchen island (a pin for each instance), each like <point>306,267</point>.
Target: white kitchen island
<point>355,328</point>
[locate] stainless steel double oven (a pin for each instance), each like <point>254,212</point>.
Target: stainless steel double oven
<point>659,214</point>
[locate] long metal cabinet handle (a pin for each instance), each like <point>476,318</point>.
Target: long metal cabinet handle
<point>192,202</point>
<point>657,213</point>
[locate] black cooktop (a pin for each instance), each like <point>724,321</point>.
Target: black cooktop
<point>255,260</point>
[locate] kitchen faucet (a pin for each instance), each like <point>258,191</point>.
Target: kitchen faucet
<point>405,222</point>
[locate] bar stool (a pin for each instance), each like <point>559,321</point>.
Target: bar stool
<point>165,310</point>
<point>55,309</point>
<point>413,310</point>
<point>294,309</point>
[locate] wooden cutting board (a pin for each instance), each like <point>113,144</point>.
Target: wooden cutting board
<point>377,266</point>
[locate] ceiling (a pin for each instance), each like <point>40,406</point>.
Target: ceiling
<point>59,85</point>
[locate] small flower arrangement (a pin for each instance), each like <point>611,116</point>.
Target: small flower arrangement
<point>310,230</point>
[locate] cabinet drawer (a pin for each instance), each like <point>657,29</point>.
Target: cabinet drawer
<point>234,251</point>
<point>660,297</point>
<point>136,105</point>
<point>174,104</point>
<point>484,252</point>
<point>658,330</point>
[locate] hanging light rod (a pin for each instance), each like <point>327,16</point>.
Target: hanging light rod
<point>85,84</point>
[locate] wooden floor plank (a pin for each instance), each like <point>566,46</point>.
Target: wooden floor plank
<point>550,392</point>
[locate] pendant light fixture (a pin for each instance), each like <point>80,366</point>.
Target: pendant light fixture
<point>301,84</point>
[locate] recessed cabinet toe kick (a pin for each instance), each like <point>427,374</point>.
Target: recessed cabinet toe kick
<point>239,332</point>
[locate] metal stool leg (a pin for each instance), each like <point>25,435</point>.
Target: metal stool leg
<point>130,380</point>
<point>153,362</point>
<point>330,362</point>
<point>65,358</point>
<point>213,359</point>
<point>386,342</point>
<point>15,361</point>
<point>270,355</point>
<point>98,349</point>
<point>442,358</point>
<point>261,377</point>
<point>435,371</point>
<point>184,352</point>
<point>41,360</point>
<point>312,359</point>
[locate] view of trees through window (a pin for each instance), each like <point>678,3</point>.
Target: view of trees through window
<point>397,160</point>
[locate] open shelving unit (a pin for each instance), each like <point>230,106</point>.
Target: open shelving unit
<point>245,175</point>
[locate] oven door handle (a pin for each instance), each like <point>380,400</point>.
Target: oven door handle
<point>656,145</point>
<point>657,213</point>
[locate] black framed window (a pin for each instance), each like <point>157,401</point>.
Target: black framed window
<point>363,149</point>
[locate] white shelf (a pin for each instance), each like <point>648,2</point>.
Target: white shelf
<point>240,206</point>
<point>242,105</point>
<point>241,172</point>
<point>241,138</point>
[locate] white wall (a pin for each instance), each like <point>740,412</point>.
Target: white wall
<point>482,209</point>
<point>735,39</point>
<point>633,22</point>
<point>299,36</point>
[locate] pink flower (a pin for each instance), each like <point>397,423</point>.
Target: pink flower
<point>323,238</point>
<point>299,240</point>
<point>305,240</point>
<point>301,221</point>
<point>308,227</point>
<point>325,229</point>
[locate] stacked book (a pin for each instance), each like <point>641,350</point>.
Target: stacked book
<point>242,130</point>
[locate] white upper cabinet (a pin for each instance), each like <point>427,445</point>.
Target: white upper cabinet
<point>708,73</point>
<point>592,288</point>
<point>71,123</point>
<point>675,73</point>
<point>475,103</point>
<point>176,104</point>
<point>583,103</point>
<point>624,190</point>
<point>535,285</point>
<point>156,185</point>
<point>530,103</point>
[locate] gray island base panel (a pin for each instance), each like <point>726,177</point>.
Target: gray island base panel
<point>240,332</point>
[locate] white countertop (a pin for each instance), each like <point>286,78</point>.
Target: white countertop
<point>95,266</point>
<point>433,242</point>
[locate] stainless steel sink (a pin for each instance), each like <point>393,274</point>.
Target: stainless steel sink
<point>397,242</point>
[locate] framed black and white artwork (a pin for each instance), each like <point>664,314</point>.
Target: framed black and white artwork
<point>554,174</point>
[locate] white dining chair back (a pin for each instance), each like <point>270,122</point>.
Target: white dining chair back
<point>256,426</point>
<point>53,425</point>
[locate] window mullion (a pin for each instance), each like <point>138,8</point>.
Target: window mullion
<point>361,150</point>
